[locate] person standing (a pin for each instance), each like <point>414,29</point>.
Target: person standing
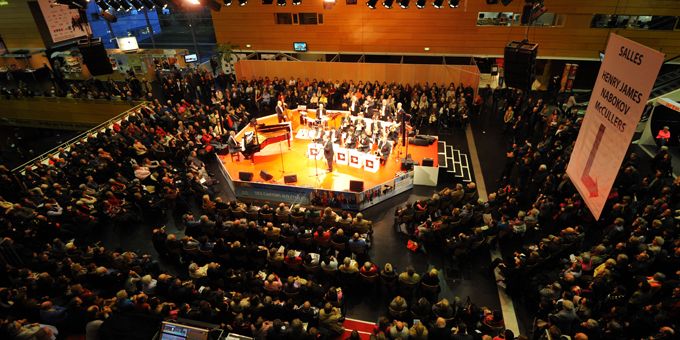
<point>281,112</point>
<point>328,152</point>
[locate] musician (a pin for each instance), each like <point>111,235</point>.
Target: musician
<point>364,143</point>
<point>385,110</point>
<point>354,106</point>
<point>328,152</point>
<point>384,149</point>
<point>320,112</point>
<point>281,112</point>
<point>233,145</point>
<point>350,139</point>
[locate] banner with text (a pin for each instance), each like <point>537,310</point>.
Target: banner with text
<point>63,22</point>
<point>626,77</point>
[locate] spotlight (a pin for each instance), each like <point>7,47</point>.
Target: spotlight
<point>124,6</point>
<point>438,3</point>
<point>160,3</point>
<point>404,3</point>
<point>388,3</point>
<point>506,2</point>
<point>137,4</point>
<point>371,3</point>
<point>281,2</point>
<point>242,2</point>
<point>421,4</point>
<point>454,3</point>
<point>212,4</point>
<point>148,4</point>
<point>296,2</point>
<point>102,5</point>
<point>227,2</point>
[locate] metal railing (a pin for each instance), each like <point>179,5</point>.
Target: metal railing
<point>79,138</point>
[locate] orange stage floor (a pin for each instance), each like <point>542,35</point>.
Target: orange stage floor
<point>277,158</point>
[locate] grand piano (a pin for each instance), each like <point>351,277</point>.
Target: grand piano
<point>258,135</point>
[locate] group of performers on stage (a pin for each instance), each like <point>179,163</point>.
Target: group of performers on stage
<point>377,135</point>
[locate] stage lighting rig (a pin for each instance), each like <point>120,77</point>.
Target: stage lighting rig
<point>388,3</point>
<point>227,2</point>
<point>242,2</point>
<point>454,3</point>
<point>296,2</point>
<point>371,3</point>
<point>281,2</point>
<point>421,4</point>
<point>437,3</point>
<point>404,3</point>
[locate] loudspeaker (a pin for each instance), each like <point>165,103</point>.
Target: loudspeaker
<point>96,59</point>
<point>428,162</point>
<point>520,62</point>
<point>266,176</point>
<point>407,164</point>
<point>108,17</point>
<point>290,179</point>
<point>419,141</point>
<point>356,186</point>
<point>245,176</point>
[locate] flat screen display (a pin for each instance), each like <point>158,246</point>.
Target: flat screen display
<point>127,44</point>
<point>191,58</point>
<point>300,46</point>
<point>174,331</point>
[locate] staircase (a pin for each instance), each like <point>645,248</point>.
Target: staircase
<point>454,161</point>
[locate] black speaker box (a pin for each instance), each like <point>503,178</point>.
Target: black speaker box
<point>428,162</point>
<point>356,186</point>
<point>407,164</point>
<point>245,176</point>
<point>95,58</point>
<point>418,141</point>
<point>266,176</point>
<point>520,62</point>
<point>290,179</point>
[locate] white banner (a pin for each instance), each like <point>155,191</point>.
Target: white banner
<point>623,84</point>
<point>62,22</point>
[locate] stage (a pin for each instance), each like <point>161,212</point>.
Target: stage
<point>315,185</point>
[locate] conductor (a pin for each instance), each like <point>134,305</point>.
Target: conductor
<point>328,152</point>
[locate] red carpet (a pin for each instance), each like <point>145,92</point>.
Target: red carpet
<point>364,328</point>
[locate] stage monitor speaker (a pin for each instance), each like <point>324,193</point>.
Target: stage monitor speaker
<point>95,58</point>
<point>356,186</point>
<point>245,176</point>
<point>290,179</point>
<point>266,176</point>
<point>407,164</point>
<point>428,162</point>
<point>520,63</point>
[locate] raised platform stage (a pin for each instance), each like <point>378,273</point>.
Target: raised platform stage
<point>326,189</point>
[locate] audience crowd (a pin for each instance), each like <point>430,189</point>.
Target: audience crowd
<point>611,278</point>
<point>286,271</point>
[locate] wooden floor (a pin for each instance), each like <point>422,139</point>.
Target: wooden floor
<point>278,161</point>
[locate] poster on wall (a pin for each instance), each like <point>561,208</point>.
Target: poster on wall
<point>62,22</point>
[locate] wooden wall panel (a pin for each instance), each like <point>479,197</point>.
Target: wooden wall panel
<point>399,73</point>
<point>358,29</point>
<point>18,28</point>
<point>60,111</point>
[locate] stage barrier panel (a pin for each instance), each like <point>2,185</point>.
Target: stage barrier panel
<point>356,159</point>
<point>371,163</point>
<point>341,156</point>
